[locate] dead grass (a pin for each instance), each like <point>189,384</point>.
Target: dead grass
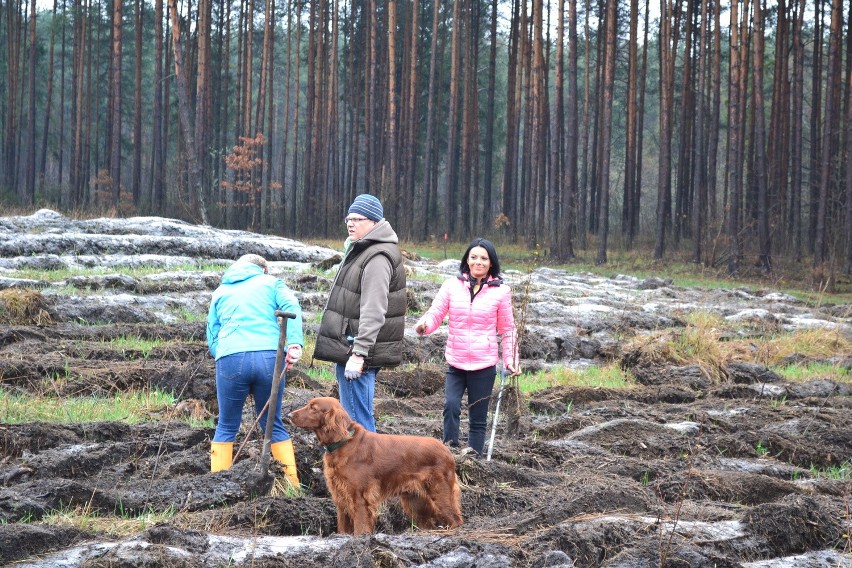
<point>700,344</point>
<point>810,343</point>
<point>692,345</point>
<point>20,306</point>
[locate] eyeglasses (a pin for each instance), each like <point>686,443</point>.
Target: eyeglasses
<point>348,220</point>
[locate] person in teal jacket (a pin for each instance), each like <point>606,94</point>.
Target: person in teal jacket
<point>242,336</point>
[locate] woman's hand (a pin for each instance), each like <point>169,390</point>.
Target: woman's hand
<point>420,328</point>
<point>294,355</point>
<point>513,369</point>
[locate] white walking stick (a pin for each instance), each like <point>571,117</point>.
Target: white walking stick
<point>496,412</point>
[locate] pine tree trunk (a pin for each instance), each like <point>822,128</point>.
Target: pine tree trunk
<point>42,163</point>
<point>13,78</point>
<point>699,198</point>
<point>490,196</point>
<point>734,152</point>
<point>409,192</point>
<point>848,223</point>
<point>606,130</point>
<point>667,62</point>
<point>136,182</point>
<point>631,134</point>
<point>447,197</point>
<point>202,97</point>
<point>512,112</point>
<point>390,183</point>
<point>830,134</point>
<point>183,112</point>
<point>557,175</point>
<point>815,133</point>
<point>796,138</point>
<point>637,189</point>
<point>28,196</point>
<point>423,201</point>
<point>155,190</point>
<point>684,188</point>
<point>764,260</point>
<point>568,213</point>
<point>115,105</point>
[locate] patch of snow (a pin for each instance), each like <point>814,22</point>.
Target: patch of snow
<point>819,559</point>
<point>728,412</point>
<point>752,314</point>
<point>229,548</point>
<point>696,531</point>
<point>221,551</point>
<point>687,428</point>
<point>765,466</point>
<point>767,390</point>
<point>781,297</point>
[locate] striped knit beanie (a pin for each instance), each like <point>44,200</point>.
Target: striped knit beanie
<point>369,206</point>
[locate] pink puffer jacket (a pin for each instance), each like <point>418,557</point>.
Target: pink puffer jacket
<point>474,324</point>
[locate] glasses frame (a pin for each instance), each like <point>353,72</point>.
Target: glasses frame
<point>347,220</point>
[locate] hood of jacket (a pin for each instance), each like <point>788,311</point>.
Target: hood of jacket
<point>240,271</point>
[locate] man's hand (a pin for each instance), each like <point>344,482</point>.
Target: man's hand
<point>294,355</point>
<point>354,367</point>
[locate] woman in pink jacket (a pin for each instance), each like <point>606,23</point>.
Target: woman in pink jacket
<point>480,308</point>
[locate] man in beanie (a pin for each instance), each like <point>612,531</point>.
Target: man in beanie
<point>364,318</point>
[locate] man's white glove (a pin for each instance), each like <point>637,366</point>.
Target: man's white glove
<point>294,354</point>
<point>354,366</point>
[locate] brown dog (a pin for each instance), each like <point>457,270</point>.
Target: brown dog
<point>364,469</point>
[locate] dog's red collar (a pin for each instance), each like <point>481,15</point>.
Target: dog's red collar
<point>331,447</point>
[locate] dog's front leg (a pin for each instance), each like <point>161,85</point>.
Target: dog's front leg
<point>344,522</point>
<point>364,516</point>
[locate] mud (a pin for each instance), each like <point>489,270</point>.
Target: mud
<point>687,468</point>
<point>673,473</point>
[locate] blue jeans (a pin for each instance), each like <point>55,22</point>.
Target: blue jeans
<point>237,376</point>
<point>357,396</point>
<point>478,385</point>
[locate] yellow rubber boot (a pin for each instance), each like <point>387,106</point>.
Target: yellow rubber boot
<point>221,455</point>
<point>283,452</point>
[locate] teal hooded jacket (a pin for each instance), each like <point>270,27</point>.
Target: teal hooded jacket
<point>242,312</point>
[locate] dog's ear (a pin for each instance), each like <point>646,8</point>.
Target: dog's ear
<point>336,424</point>
<point>340,420</point>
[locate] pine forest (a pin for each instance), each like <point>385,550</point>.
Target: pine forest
<point>722,130</point>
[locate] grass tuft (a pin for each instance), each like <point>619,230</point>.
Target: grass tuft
<point>127,343</point>
<point>120,525</point>
<point>809,343</point>
<point>808,372</point>
<point>132,407</point>
<point>610,376</point>
<point>20,306</point>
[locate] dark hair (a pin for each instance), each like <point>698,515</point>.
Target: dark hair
<point>494,269</point>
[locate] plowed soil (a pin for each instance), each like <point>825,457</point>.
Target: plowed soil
<point>695,465</point>
<point>677,472</point>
